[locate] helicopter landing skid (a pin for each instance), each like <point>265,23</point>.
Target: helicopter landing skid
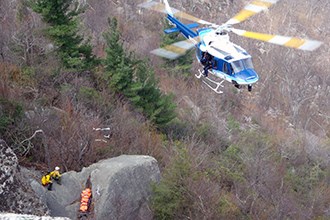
<point>214,85</point>
<point>198,76</point>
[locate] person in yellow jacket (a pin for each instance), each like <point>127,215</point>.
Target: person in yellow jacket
<point>56,175</point>
<point>46,180</point>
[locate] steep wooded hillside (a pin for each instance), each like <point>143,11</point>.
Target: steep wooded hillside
<point>240,155</point>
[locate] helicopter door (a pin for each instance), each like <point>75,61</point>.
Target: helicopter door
<point>214,64</point>
<point>225,68</point>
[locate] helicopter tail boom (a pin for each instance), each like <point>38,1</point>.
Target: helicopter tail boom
<point>174,30</point>
<point>184,29</point>
<point>178,49</point>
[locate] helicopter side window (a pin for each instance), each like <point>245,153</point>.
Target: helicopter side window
<point>238,66</point>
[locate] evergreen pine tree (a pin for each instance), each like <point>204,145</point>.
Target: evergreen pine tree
<point>62,18</point>
<point>121,77</point>
<point>136,80</point>
<point>159,108</point>
<point>117,64</point>
<point>165,110</point>
<point>115,50</point>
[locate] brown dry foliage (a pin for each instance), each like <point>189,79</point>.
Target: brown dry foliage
<point>290,103</point>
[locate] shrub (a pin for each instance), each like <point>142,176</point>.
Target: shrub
<point>10,112</point>
<point>169,195</point>
<point>89,95</point>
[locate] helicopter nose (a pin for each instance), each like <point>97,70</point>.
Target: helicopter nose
<point>247,76</point>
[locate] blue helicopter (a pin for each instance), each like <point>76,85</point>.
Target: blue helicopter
<point>227,61</point>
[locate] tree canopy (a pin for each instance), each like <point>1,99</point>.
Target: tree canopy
<point>63,27</point>
<point>135,79</point>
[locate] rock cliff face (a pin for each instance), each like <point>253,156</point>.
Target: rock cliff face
<point>124,191</point>
<point>15,193</point>
<point>8,168</point>
<point>10,216</point>
<point>120,189</point>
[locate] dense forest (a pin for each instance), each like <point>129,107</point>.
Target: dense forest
<point>78,84</point>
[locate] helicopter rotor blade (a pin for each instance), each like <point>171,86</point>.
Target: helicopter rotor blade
<point>175,50</point>
<point>251,9</point>
<point>160,7</point>
<point>293,42</point>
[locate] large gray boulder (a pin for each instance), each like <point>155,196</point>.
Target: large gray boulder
<point>121,189</point>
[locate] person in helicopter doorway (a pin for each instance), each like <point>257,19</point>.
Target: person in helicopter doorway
<point>207,62</point>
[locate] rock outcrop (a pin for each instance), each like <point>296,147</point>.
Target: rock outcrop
<point>120,189</point>
<point>8,168</point>
<point>124,192</point>
<point>11,216</point>
<point>15,193</point>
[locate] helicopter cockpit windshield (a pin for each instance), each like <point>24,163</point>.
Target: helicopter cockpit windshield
<point>240,65</point>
